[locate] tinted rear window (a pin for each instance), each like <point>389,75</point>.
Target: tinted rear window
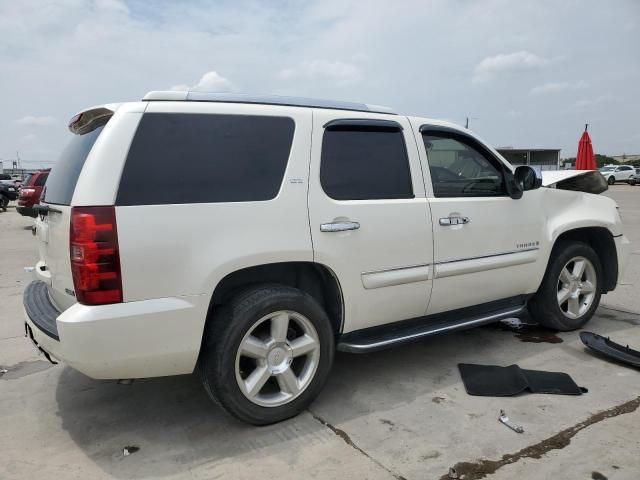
<point>205,158</point>
<point>65,172</point>
<point>361,163</point>
<point>41,180</point>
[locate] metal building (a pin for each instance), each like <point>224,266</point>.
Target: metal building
<point>539,158</point>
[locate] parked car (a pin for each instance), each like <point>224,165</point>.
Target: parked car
<point>30,192</point>
<point>15,180</point>
<point>635,178</point>
<point>8,193</point>
<point>617,173</point>
<point>290,228</point>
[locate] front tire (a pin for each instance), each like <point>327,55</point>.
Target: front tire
<point>611,180</point>
<point>267,354</point>
<point>571,287</point>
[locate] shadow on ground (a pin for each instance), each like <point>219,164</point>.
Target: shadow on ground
<point>177,427</point>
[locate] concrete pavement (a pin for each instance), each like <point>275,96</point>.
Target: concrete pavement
<point>401,413</point>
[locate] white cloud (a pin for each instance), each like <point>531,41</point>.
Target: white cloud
<point>35,121</point>
<point>592,102</point>
<point>346,49</point>
<point>555,87</point>
<point>340,72</point>
<point>210,82</point>
<point>509,62</point>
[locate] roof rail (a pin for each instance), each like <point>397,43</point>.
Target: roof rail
<point>172,95</point>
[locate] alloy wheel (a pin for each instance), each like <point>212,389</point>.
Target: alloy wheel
<point>576,287</point>
<point>277,358</point>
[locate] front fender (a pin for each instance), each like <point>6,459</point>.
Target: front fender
<point>569,210</point>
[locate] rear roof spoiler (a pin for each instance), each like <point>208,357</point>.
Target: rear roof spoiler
<point>90,119</point>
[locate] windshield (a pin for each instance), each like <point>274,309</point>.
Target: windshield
<point>607,169</point>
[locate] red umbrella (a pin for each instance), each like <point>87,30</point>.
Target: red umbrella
<point>585,160</point>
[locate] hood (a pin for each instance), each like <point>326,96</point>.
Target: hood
<point>589,181</point>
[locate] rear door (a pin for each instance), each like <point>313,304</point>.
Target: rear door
<point>52,229</point>
<point>369,217</point>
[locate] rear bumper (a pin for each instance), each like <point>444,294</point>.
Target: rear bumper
<point>148,338</point>
<point>26,211</point>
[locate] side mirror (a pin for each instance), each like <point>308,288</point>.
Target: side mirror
<point>527,178</point>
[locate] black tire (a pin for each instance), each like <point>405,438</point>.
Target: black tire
<point>224,333</point>
<point>544,307</point>
<point>611,180</point>
<point>4,202</point>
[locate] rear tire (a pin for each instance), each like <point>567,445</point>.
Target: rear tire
<point>267,354</point>
<point>571,287</point>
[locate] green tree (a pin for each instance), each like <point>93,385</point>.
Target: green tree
<point>601,161</point>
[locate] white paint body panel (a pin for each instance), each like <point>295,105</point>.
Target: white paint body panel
<point>129,340</point>
<point>393,235</point>
<point>168,250</point>
<point>399,264</point>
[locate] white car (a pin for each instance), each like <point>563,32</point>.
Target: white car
<point>619,173</point>
<point>248,238</point>
<point>635,178</point>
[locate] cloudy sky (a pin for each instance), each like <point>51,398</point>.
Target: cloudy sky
<point>526,73</point>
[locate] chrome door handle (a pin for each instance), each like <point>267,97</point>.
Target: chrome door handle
<point>446,221</point>
<point>339,226</point>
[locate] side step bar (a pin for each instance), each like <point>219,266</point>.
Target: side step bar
<point>407,331</point>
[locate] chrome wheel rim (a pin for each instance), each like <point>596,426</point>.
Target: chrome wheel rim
<point>576,287</point>
<point>277,358</point>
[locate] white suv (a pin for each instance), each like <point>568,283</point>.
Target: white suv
<point>619,173</point>
<point>248,238</point>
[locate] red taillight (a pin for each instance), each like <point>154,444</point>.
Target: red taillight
<point>93,248</point>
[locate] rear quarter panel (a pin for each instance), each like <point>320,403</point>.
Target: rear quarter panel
<point>178,250</point>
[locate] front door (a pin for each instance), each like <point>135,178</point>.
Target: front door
<point>369,218</point>
<point>486,244</point>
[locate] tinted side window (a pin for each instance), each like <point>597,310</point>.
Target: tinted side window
<point>460,170</point>
<point>203,158</point>
<point>365,163</point>
<point>65,172</point>
<point>41,180</point>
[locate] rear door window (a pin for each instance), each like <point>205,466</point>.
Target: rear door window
<point>365,163</point>
<point>65,172</point>
<point>205,158</point>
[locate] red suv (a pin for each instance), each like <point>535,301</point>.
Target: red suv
<point>30,193</point>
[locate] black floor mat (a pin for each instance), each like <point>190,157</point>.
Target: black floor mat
<point>495,381</point>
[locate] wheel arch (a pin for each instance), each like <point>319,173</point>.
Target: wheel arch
<point>601,240</point>
<point>316,279</point>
